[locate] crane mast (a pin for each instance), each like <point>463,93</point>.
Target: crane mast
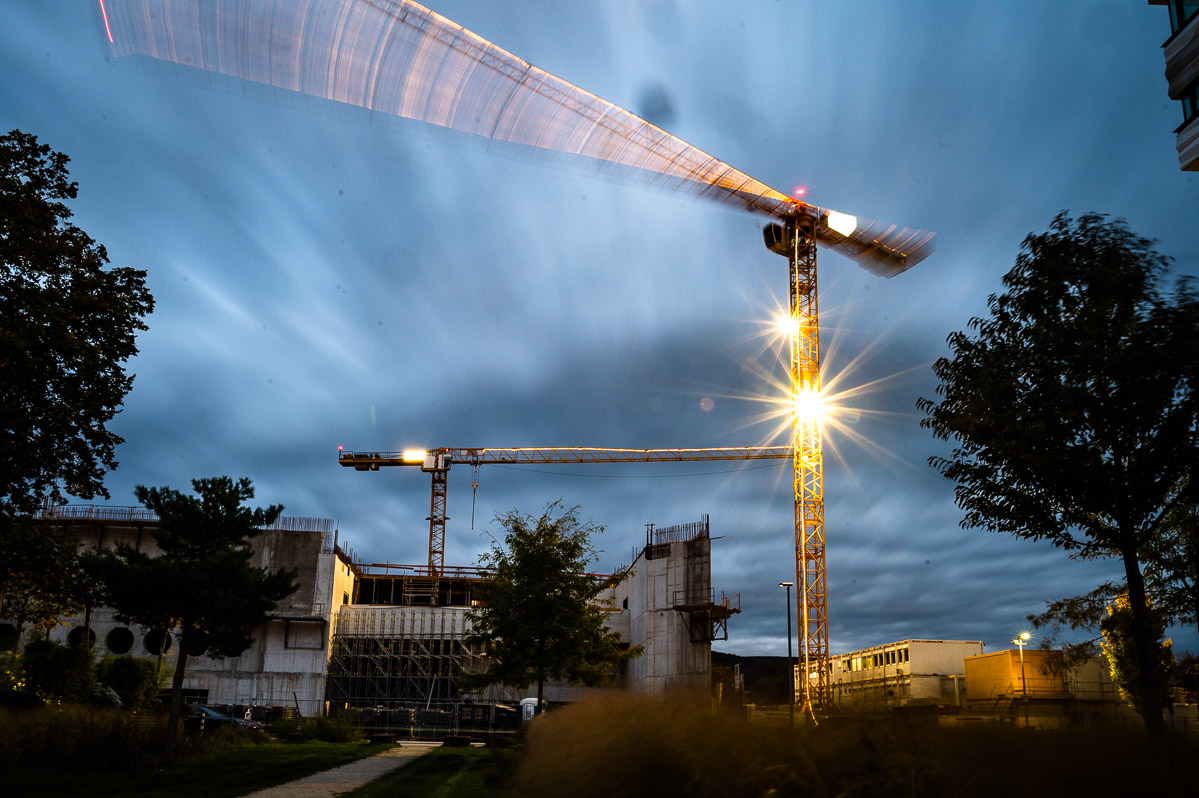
<point>796,240</point>
<point>437,463</point>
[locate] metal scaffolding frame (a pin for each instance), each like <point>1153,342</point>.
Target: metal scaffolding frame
<point>397,656</point>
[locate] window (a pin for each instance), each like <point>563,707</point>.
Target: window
<point>1181,12</point>
<point>345,598</point>
<point>1190,103</point>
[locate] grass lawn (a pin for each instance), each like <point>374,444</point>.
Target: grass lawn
<point>441,773</point>
<point>228,772</point>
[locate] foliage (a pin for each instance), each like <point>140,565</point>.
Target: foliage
<point>69,325</point>
<point>104,696</point>
<point>1073,408</point>
<point>539,610</point>
<point>1121,658</point>
<point>1172,565</point>
<point>40,574</point>
<point>1187,667</point>
<point>334,729</point>
<point>136,680</point>
<point>671,748</point>
<point>202,581</point>
<point>58,672</point>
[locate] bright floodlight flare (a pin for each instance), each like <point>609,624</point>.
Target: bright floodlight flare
<point>842,223</point>
<point>414,455</point>
<point>808,405</point>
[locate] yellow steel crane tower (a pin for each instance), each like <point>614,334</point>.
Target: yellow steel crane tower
<point>398,57</point>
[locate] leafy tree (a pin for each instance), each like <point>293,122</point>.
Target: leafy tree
<point>1073,407</point>
<point>539,610</point>
<point>201,582</point>
<point>69,325</point>
<point>40,577</point>
<point>1121,658</point>
<point>1172,565</point>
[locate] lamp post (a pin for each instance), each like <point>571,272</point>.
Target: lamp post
<point>1022,641</point>
<point>790,667</point>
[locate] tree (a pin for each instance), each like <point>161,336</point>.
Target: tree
<point>40,576</point>
<point>1172,566</point>
<point>540,612</point>
<point>69,325</point>
<point>1073,407</point>
<point>1122,661</point>
<point>201,582</point>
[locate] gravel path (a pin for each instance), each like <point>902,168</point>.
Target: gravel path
<point>347,777</point>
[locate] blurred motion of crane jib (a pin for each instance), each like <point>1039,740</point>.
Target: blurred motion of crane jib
<point>403,59</point>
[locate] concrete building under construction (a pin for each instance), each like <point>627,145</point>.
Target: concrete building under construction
<point>391,639</point>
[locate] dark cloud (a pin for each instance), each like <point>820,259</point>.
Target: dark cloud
<point>326,277</point>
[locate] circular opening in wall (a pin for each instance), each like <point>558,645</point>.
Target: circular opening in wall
<point>197,644</point>
<point>157,641</point>
<point>75,637</point>
<point>8,637</point>
<point>119,640</point>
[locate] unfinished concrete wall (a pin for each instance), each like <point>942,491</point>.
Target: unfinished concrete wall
<point>665,576</point>
<point>286,663</point>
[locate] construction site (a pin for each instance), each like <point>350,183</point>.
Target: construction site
<point>385,643</point>
<point>387,638</point>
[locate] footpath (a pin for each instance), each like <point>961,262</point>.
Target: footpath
<point>329,783</point>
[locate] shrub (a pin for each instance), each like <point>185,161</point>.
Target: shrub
<point>104,696</point>
<point>137,681</point>
<point>56,671</point>
<point>335,729</point>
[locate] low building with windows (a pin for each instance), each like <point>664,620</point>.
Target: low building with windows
<point>903,673</point>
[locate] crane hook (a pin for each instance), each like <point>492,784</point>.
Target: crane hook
<point>474,490</point>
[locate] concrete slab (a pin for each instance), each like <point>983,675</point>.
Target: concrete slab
<point>329,783</point>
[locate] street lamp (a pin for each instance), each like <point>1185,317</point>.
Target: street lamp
<point>790,667</point>
<point>1022,641</point>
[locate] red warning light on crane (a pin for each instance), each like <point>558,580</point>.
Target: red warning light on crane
<point>800,191</point>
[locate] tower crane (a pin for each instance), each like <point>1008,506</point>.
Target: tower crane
<point>437,463</point>
<point>398,57</point>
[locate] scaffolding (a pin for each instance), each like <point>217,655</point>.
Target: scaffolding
<point>400,656</point>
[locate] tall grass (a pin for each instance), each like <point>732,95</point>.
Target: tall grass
<point>629,747</point>
<point>83,737</point>
<point>333,729</point>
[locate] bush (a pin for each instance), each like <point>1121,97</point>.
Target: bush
<point>336,729</point>
<point>137,681</point>
<point>104,696</point>
<point>58,672</point>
